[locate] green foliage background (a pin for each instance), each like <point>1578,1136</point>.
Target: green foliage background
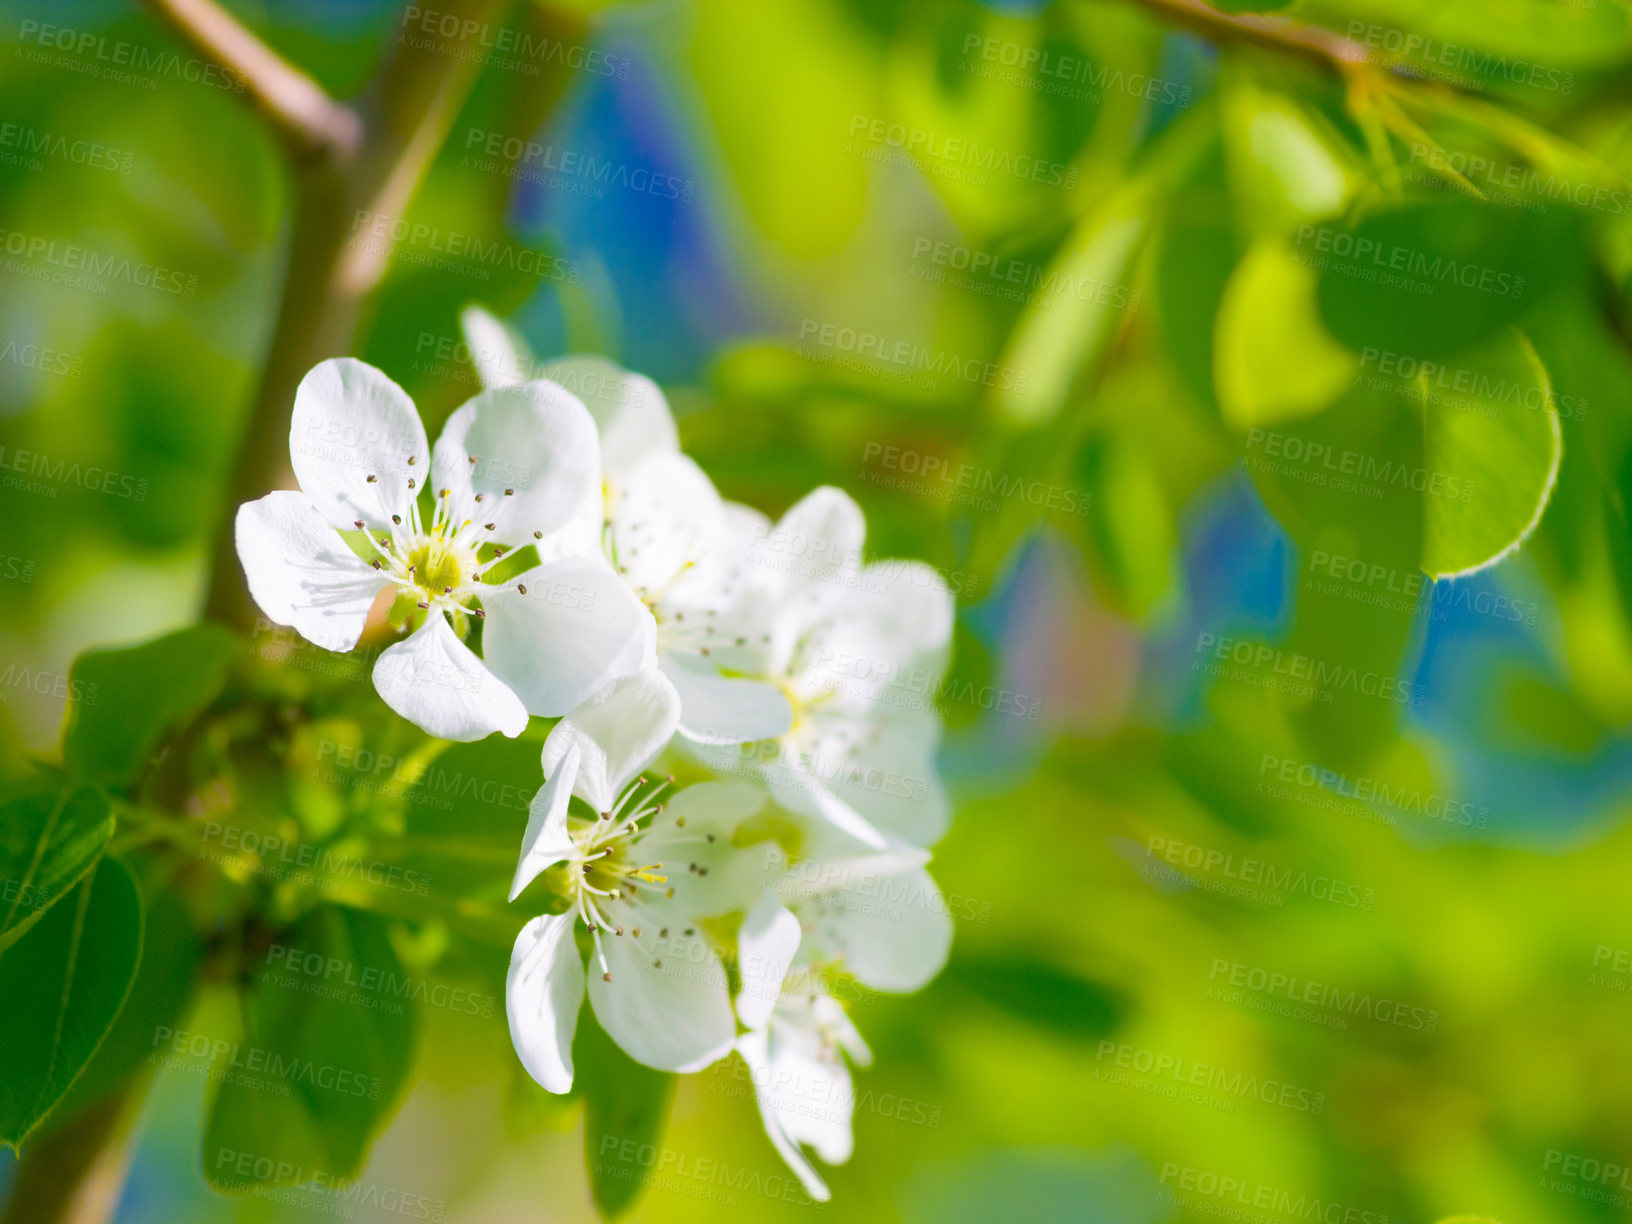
<point>1359,296</point>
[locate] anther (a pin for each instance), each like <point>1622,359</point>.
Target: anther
<point>397,518</point>
<point>509,492</point>
<point>522,587</point>
<point>358,524</point>
<point>489,526</point>
<point>373,480</point>
<point>412,459</point>
<point>606,977</point>
<point>538,535</point>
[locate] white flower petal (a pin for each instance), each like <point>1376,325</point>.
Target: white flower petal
<point>811,1091</point>
<point>889,780</point>
<point>614,735</point>
<point>829,1013</point>
<point>718,709</point>
<point>534,440</point>
<point>766,946</point>
<point>834,862</point>
<point>914,610</point>
<point>497,350</point>
<point>799,791</point>
<point>893,932</point>
<point>630,412</point>
<point>820,536</point>
<point>542,995</point>
<point>753,1048</point>
<point>546,841</point>
<point>574,630</point>
<point>730,876</point>
<point>434,681</point>
<point>350,422</point>
<point>665,521</point>
<point>667,1004</point>
<point>301,573</point>
<point>878,639</point>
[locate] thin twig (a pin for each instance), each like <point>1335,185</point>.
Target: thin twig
<point>1326,47</point>
<point>309,121</point>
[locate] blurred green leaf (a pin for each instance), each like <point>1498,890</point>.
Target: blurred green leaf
<point>1274,361</point>
<point>626,1106</point>
<point>126,699</point>
<point>1492,451</point>
<point>328,1039</point>
<point>1430,279</point>
<point>1040,994</point>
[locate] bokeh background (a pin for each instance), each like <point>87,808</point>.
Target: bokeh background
<point>1386,917</point>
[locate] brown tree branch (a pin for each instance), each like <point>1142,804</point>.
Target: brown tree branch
<point>75,1173</point>
<point>298,109</point>
<point>1325,47</point>
<point>334,266</point>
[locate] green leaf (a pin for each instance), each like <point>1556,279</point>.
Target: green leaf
<point>125,700</point>
<point>1130,523</point>
<point>1062,335</point>
<point>1274,360</point>
<point>1194,257</point>
<point>327,1045</point>
<point>1349,486</point>
<point>1492,449</point>
<point>466,811</point>
<point>1040,994</point>
<point>1431,279</point>
<point>160,995</point>
<point>49,840</point>
<point>1285,165</point>
<point>64,983</point>
<point>625,1107</point>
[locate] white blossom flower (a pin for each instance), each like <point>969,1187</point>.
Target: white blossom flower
<point>508,471</point>
<point>639,876</point>
<point>667,531</point>
<point>631,414</point>
<point>876,918</point>
<point>858,649</point>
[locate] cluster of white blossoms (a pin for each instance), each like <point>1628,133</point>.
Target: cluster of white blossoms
<point>557,526</point>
